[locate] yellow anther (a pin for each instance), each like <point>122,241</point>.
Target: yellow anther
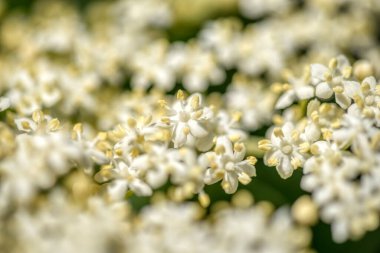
<point>78,127</point>
<point>119,131</point>
<point>54,125</point>
<point>220,149</point>
<point>238,147</point>
<point>296,163</point>
<point>265,145</point>
<point>347,72</point>
<point>119,152</point>
<point>338,89</point>
<point>359,101</point>
<point>326,134</point>
<point>195,102</point>
<point>134,152</point>
<point>295,135</point>
<point>234,137</point>
<point>333,63</point>
<point>180,95</point>
<point>162,103</point>
<point>102,136</point>
<point>273,161</point>
<point>165,120</point>
<point>131,122</point>
<point>186,130</point>
<point>25,125</point>
<point>304,147</point>
<point>226,186</point>
<point>244,178</point>
<point>38,116</point>
<point>325,108</point>
<point>365,87</point>
<point>278,120</point>
<point>103,146</point>
<point>328,76</point>
<point>314,116</point>
<point>204,199</point>
<point>252,160</point>
<point>278,132</point>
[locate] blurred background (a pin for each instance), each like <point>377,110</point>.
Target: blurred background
<point>190,15</point>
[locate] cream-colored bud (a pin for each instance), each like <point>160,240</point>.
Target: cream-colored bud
<point>305,211</point>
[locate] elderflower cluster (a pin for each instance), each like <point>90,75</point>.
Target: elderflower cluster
<point>149,126</point>
<point>336,142</point>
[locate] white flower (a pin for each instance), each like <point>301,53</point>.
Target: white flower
<point>36,164</point>
<point>256,230</point>
<point>354,130</point>
<point>123,177</point>
<point>345,188</point>
<point>298,89</point>
<point>187,169</point>
<point>61,226</point>
<point>333,80</point>
<point>253,101</point>
<point>367,99</point>
<point>227,163</point>
<point>188,117</point>
<point>283,150</point>
<point>151,68</point>
<point>223,37</point>
<point>196,65</point>
<point>228,125</point>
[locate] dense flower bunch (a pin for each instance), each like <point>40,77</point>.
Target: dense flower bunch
<point>103,110</point>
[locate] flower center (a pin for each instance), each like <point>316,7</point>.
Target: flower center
<point>230,166</point>
<point>286,148</point>
<point>184,116</point>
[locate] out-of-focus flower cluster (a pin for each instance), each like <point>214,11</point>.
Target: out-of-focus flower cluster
<point>336,140</point>
<point>102,104</point>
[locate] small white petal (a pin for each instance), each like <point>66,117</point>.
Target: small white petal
<point>286,99</point>
<point>230,183</point>
<point>305,92</point>
<point>351,88</point>
<point>339,231</point>
<point>140,188</point>
<point>371,81</point>
<point>323,90</point>
<point>317,72</point>
<point>179,137</point>
<point>204,144</point>
<point>284,168</point>
<point>117,189</point>
<point>196,129</point>
<point>25,124</point>
<point>342,100</point>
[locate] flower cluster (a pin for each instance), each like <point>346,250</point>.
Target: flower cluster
<point>336,142</point>
<point>141,126</point>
